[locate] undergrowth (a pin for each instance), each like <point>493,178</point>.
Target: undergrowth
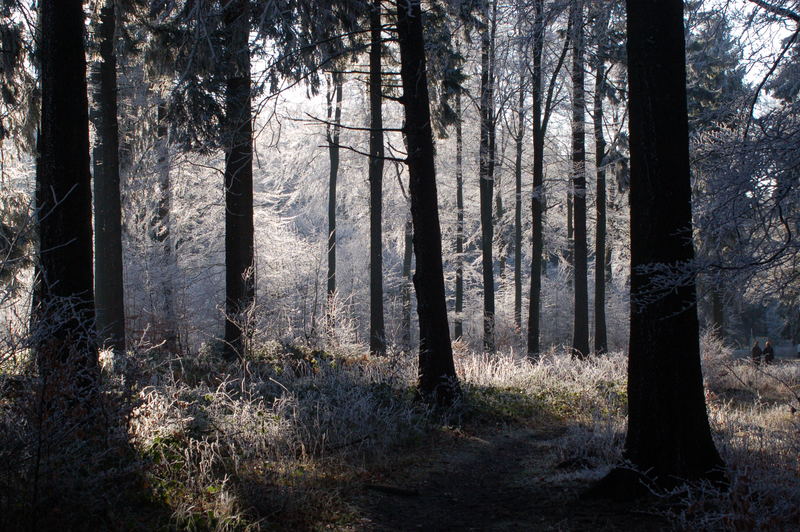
<point>272,442</point>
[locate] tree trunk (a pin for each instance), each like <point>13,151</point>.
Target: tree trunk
<point>239,255</point>
<point>600,333</point>
<point>486,171</point>
<point>537,196</point>
<point>65,317</point>
<point>580,335</point>
<point>520,135</point>
<point>109,293</point>
<point>437,376</point>
<point>162,231</point>
<point>332,134</point>
<point>459,323</point>
<point>377,332</point>
<point>668,432</point>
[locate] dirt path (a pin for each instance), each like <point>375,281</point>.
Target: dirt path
<point>506,480</point>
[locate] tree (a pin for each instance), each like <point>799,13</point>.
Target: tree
<point>332,135</point>
<point>486,174</point>
<point>238,139</point>
<point>162,228</point>
<point>377,331</point>
<point>519,136</point>
<point>580,335</point>
<point>437,376</point>
<point>599,67</point>
<point>541,112</point>
<point>716,96</point>
<point>668,439</point>
<point>458,329</point>
<point>109,294</point>
<point>65,315</point>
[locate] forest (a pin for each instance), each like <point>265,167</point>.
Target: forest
<point>399,265</point>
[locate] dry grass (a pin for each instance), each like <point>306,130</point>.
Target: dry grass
<point>271,442</point>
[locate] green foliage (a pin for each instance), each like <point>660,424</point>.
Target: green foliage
<point>501,405</point>
<point>715,78</point>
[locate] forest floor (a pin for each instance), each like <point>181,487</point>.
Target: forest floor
<point>320,442</point>
<point>503,478</point>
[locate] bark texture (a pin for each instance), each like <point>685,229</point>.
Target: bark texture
<point>668,431</point>
<point>377,331</point>
<point>486,178</point>
<point>239,254</point>
<point>109,293</point>
<point>600,333</point>
<point>537,196</point>
<point>333,134</point>
<point>65,315</point>
<point>580,333</point>
<point>437,376</point>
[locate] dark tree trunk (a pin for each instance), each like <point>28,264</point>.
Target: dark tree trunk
<point>600,333</point>
<point>332,134</point>
<point>65,317</point>
<point>239,264</point>
<point>459,323</point>
<point>537,196</point>
<point>437,376</point>
<point>109,293</point>
<point>377,332</point>
<point>580,335</point>
<point>162,231</point>
<point>518,204</point>
<point>486,171</point>
<point>541,111</point>
<point>668,431</point>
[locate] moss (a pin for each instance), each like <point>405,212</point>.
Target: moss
<point>500,404</point>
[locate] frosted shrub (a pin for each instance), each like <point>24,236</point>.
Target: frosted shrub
<point>716,358</point>
<point>753,414</point>
<point>265,423</point>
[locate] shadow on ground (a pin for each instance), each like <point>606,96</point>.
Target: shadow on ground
<point>506,478</point>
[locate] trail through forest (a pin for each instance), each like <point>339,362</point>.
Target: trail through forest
<point>508,479</point>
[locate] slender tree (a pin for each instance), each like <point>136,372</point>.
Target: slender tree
<point>377,332</point>
<point>519,136</point>
<point>437,376</point>
<point>580,335</point>
<point>66,314</point>
<point>458,330</point>
<point>238,140</point>
<point>109,294</point>
<point>162,229</point>
<point>600,333</point>
<point>486,177</point>
<point>537,196</point>
<point>668,438</point>
<point>541,111</point>
<point>333,132</point>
